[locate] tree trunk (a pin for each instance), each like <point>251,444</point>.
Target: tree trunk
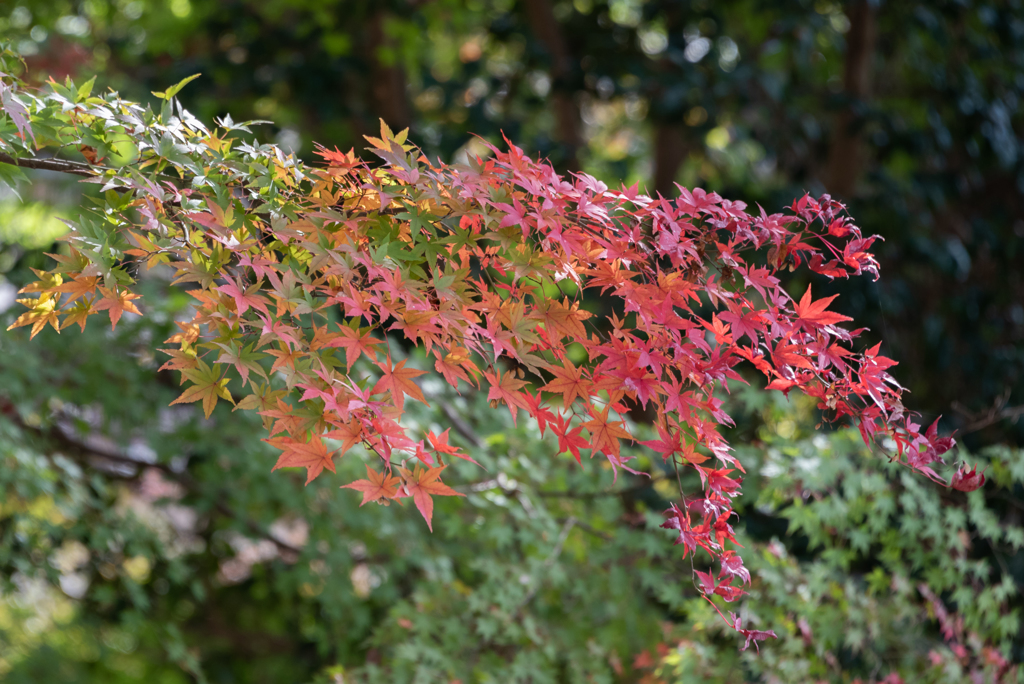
<point>387,81</point>
<point>847,155</point>
<point>545,27</point>
<point>670,149</point>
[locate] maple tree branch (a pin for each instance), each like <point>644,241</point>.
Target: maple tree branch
<point>81,448</point>
<point>52,164</point>
<point>71,167</point>
<point>1010,413</point>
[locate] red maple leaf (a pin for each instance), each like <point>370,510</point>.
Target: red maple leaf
<point>440,444</point>
<point>541,414</point>
<point>569,440</point>
<point>752,635</point>
<point>732,565</point>
<point>356,342</point>
<point>668,445</point>
<point>244,297</point>
<point>690,537</point>
<point>719,481</point>
<point>965,480</point>
<point>813,314</point>
<point>311,455</point>
<point>421,484</point>
<point>397,379</point>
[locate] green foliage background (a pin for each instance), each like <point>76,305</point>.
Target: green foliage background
<point>201,565</point>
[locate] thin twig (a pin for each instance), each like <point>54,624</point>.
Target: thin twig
<point>567,494</point>
<point>462,427</point>
<point>998,412</point>
<point>590,529</point>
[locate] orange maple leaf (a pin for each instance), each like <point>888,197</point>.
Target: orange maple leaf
<point>188,335</point>
<point>322,338</point>
<point>397,379</point>
<point>79,287</point>
<point>566,318</point>
<point>348,434</point>
<point>43,312</point>
<point>179,359</point>
<point>116,303</point>
<point>356,343</point>
<point>605,434</point>
<point>284,356</point>
<point>311,455</point>
<point>569,382</point>
<point>421,484</point>
<point>284,417</point>
<point>77,315</point>
<point>454,364</point>
<point>506,388</point>
<point>418,325</point>
<point>380,487</point>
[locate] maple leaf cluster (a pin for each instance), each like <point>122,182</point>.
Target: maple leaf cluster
<point>483,266</point>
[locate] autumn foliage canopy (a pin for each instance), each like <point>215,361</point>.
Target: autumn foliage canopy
<point>310,281</point>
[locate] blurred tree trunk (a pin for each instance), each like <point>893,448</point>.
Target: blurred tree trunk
<point>387,78</point>
<point>545,28</point>
<point>671,143</point>
<point>670,149</point>
<point>847,155</point>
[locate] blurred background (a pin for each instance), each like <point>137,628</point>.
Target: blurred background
<point>139,542</point>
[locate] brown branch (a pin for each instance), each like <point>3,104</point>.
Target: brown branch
<point>53,164</point>
<point>72,167</point>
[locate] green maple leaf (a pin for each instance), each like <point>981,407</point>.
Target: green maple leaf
<point>244,359</point>
<point>208,386</point>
